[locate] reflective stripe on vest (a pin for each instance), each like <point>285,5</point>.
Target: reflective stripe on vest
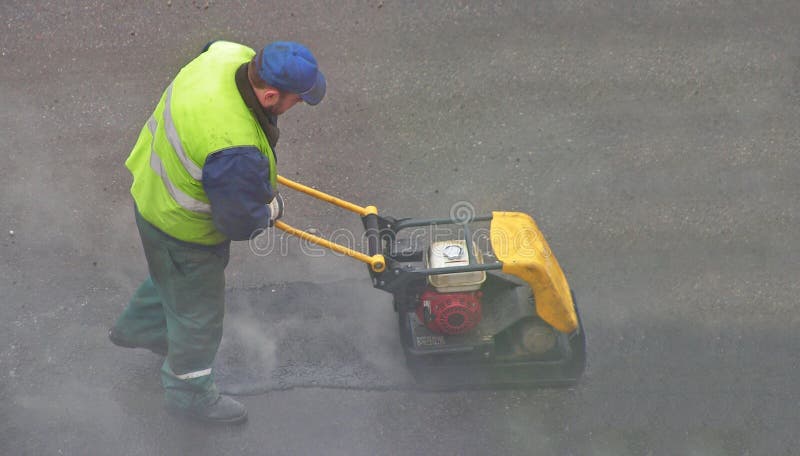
<point>175,141</point>
<point>184,200</point>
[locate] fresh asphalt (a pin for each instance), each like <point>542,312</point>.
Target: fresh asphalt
<point>655,143</point>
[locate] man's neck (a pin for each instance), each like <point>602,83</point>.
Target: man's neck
<point>268,122</point>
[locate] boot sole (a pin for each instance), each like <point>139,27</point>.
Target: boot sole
<point>183,413</point>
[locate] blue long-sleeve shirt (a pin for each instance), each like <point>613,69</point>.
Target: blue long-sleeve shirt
<point>236,181</point>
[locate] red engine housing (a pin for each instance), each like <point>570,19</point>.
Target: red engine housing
<point>450,313</point>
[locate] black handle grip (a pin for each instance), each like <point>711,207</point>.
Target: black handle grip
<point>373,234</point>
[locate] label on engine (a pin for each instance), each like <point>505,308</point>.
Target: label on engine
<point>429,341</point>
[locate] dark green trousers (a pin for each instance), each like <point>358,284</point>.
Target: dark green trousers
<point>183,301</point>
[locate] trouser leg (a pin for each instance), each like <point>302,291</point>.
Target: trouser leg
<point>143,322</point>
<point>190,282</point>
<point>194,305</point>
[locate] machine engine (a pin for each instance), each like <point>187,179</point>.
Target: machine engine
<point>449,313</point>
<point>451,304</point>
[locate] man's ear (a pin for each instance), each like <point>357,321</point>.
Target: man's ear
<point>269,97</point>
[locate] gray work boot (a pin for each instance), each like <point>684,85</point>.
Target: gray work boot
<point>159,348</point>
<point>224,410</point>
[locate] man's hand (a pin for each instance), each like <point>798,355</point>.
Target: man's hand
<point>275,209</point>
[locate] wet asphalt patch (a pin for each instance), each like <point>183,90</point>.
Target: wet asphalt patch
<point>300,334</point>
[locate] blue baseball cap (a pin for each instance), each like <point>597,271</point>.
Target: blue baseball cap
<point>291,67</point>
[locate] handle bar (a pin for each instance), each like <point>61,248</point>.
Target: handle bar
<point>375,260</point>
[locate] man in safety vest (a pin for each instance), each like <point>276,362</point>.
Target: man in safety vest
<point>204,174</point>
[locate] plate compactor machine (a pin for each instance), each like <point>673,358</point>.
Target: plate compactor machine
<point>470,315</point>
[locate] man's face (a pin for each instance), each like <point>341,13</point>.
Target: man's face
<point>284,103</point>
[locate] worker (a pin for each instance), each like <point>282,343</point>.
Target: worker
<point>204,174</point>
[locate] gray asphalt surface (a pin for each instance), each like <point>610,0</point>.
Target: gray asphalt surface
<point>655,143</point>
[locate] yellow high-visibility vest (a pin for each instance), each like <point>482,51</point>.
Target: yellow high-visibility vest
<point>201,112</point>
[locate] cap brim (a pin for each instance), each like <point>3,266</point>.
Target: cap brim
<point>317,93</point>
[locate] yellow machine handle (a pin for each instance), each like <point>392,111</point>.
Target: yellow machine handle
<point>362,211</point>
<point>376,262</point>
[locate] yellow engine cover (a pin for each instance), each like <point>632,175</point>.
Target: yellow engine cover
<point>521,247</point>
